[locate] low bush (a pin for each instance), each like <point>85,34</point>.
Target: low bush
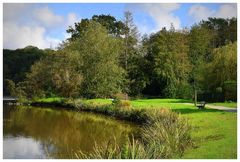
<point>121,103</point>
<point>116,102</point>
<point>125,104</point>
<point>120,96</point>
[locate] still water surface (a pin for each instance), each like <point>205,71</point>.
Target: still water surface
<point>50,133</point>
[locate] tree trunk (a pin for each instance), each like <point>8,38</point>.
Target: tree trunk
<point>126,96</point>
<point>195,97</point>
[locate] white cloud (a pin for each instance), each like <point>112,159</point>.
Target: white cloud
<point>162,13</point>
<point>15,11</point>
<point>72,18</point>
<point>201,12</point>
<point>20,37</point>
<point>47,17</point>
<point>227,11</point>
<point>30,24</point>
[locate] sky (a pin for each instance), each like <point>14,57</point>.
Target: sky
<point>44,24</point>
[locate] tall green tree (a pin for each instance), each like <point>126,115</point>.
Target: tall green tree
<point>99,53</point>
<point>130,38</point>
<point>169,62</point>
<point>224,30</point>
<point>222,69</point>
<point>200,48</point>
<point>131,58</point>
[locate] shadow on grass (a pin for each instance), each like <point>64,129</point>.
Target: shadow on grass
<point>188,111</point>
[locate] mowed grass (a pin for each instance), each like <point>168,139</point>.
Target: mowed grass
<point>214,132</point>
<point>225,104</point>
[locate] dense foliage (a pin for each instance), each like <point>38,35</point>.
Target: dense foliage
<point>16,63</point>
<point>168,62</point>
<point>99,54</point>
<point>105,57</point>
<point>114,27</point>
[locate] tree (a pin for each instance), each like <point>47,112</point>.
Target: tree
<point>15,90</point>
<point>131,55</point>
<point>169,62</point>
<point>222,69</point>
<point>113,26</point>
<point>130,38</point>
<point>55,75</point>
<point>200,48</point>
<point>99,53</point>
<point>87,66</point>
<point>225,30</point>
<point>16,63</point>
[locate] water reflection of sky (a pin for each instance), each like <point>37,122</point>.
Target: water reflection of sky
<point>22,148</point>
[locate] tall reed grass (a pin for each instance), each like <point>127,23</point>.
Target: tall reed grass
<point>164,135</point>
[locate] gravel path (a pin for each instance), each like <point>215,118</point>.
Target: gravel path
<point>223,108</point>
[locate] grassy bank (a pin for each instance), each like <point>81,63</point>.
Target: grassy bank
<point>214,132</point>
<point>163,133</point>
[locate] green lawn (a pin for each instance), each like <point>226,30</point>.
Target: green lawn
<point>226,104</point>
<point>214,132</point>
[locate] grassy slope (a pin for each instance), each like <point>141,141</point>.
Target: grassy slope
<point>214,132</point>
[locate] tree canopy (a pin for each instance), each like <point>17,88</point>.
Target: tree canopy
<point>113,26</point>
<point>105,56</point>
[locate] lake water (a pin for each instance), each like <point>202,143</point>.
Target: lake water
<point>36,133</point>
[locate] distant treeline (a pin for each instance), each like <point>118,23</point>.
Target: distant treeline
<point>105,57</point>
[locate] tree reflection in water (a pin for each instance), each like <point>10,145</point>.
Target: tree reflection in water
<point>57,133</point>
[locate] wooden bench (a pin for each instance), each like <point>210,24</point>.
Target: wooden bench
<point>201,105</point>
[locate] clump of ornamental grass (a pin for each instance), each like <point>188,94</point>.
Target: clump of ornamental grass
<point>131,149</point>
<point>164,135</point>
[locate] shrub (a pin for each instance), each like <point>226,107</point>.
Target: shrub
<point>125,104</point>
<point>121,103</point>
<point>116,102</point>
<point>121,96</point>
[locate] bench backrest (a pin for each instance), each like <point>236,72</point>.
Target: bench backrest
<point>202,103</point>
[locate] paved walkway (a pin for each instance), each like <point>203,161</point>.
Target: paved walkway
<point>229,109</point>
